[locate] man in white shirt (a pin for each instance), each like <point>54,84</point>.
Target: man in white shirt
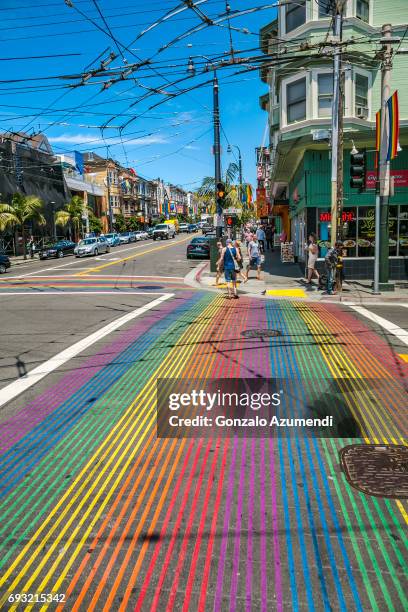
<point>254,259</point>
<point>260,236</point>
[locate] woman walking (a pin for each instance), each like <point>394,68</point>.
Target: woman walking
<point>237,245</point>
<point>313,252</point>
<point>230,260</point>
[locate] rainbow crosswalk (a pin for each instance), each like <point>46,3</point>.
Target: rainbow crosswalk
<point>94,506</point>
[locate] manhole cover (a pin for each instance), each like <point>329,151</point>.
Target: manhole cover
<point>261,333</point>
<point>150,287</point>
<point>379,470</point>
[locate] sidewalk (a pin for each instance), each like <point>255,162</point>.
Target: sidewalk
<point>285,280</point>
<point>19,259</point>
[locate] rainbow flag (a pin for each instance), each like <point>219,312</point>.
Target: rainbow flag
<point>393,126</point>
<point>377,136</point>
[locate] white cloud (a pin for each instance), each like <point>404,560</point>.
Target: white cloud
<point>83,139</point>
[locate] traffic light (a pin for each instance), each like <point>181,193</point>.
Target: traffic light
<point>358,168</point>
<point>220,197</point>
<point>231,220</point>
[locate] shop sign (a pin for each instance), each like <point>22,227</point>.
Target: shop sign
<point>346,217</point>
<point>400,178</point>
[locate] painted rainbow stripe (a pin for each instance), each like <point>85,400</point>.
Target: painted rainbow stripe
<point>236,524</point>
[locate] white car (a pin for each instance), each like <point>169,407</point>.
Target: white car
<point>91,246</point>
<point>183,227</point>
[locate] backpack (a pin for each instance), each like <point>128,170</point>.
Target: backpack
<point>331,258</point>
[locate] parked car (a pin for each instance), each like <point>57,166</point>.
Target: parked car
<point>150,232</point>
<point>141,235</point>
<point>206,229</point>
<point>164,231</point>
<point>57,249</point>
<point>91,246</point>
<point>126,237</point>
<point>4,263</point>
<point>199,247</point>
<point>145,235</point>
<point>183,227</point>
<point>112,239</point>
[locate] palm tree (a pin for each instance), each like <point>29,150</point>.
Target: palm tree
<point>71,215</point>
<point>206,191</point>
<point>21,210</point>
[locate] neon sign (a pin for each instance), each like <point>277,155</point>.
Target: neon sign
<point>325,217</point>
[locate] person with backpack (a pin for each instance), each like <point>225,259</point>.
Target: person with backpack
<point>229,258</point>
<point>331,262</point>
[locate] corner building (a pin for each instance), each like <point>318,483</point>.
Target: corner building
<point>299,107</point>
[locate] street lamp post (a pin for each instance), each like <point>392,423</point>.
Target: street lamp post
<point>240,168</point>
<point>217,140</point>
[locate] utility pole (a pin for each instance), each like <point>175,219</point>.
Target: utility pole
<point>217,150</point>
<point>337,125</point>
<point>384,165</point>
<point>110,211</point>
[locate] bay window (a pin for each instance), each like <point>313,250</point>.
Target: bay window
<point>325,94</point>
<point>295,15</point>
<point>361,85</point>
<point>296,100</point>
<point>363,10</point>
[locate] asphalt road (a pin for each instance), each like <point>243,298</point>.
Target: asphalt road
<point>94,507</point>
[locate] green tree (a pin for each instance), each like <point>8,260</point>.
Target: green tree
<point>133,224</point>
<point>21,210</point>
<point>95,224</point>
<point>120,223</point>
<point>71,216</point>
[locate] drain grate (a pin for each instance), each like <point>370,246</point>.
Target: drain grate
<point>150,287</point>
<point>379,470</point>
<point>261,333</point>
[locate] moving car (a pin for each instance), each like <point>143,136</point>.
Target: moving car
<point>192,227</point>
<point>91,246</point>
<point>183,227</point>
<point>164,231</point>
<point>112,239</point>
<point>199,247</point>
<point>57,249</point>
<point>126,237</point>
<point>4,263</point>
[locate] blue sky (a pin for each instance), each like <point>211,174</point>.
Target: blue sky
<point>173,140</point>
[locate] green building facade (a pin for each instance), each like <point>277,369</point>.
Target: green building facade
<point>299,75</point>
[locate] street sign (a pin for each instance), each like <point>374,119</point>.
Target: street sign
<point>218,221</point>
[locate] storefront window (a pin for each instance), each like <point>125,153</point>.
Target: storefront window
<point>403,230</point>
<point>359,230</point>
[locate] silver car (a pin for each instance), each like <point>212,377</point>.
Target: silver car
<point>91,246</point>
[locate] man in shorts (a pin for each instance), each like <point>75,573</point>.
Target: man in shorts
<point>254,259</point>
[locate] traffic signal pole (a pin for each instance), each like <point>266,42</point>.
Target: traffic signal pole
<point>217,150</point>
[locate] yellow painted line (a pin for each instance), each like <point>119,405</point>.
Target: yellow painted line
<point>293,293</point>
<point>123,452</point>
<point>403,357</point>
<point>118,261</point>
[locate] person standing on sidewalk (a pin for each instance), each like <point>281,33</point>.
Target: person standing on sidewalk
<point>230,260</point>
<point>312,255</point>
<point>269,237</point>
<point>260,236</point>
<point>254,259</point>
<point>331,260</point>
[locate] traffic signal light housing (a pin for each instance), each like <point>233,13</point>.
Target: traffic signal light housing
<point>358,169</point>
<point>231,221</point>
<point>220,197</point>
